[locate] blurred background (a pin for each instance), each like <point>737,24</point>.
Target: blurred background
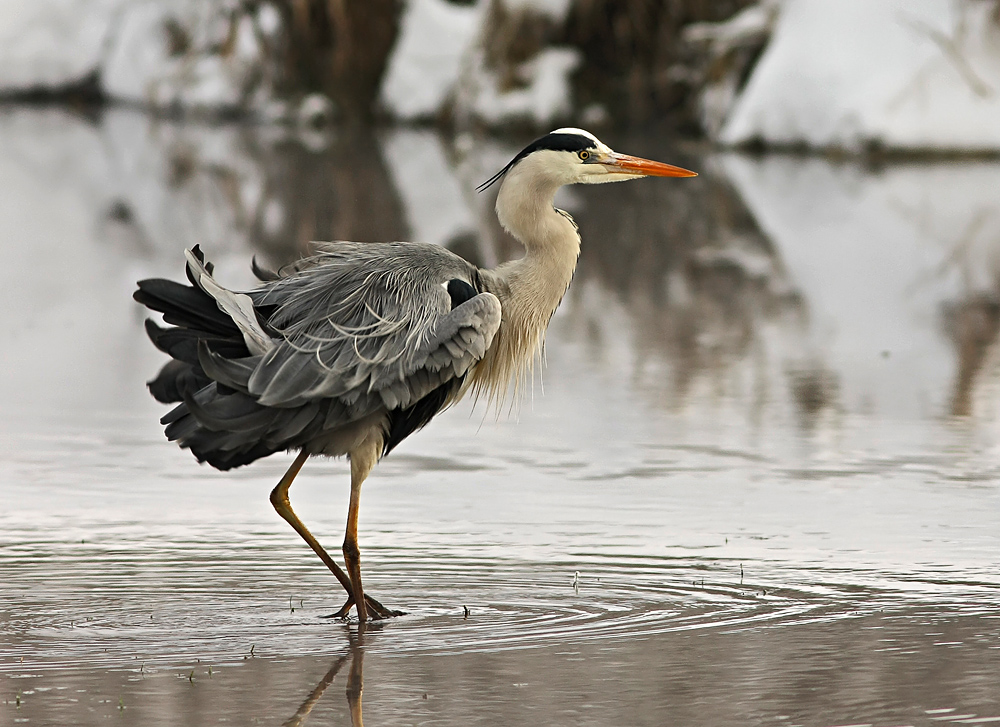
<point>788,363</point>
<point>841,243</point>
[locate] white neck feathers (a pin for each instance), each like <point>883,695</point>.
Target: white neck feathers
<point>530,288</point>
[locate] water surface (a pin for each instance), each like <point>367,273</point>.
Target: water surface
<point>756,482</point>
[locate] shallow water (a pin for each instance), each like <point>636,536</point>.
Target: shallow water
<point>756,484</point>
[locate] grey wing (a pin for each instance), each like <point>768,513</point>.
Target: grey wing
<point>370,327</point>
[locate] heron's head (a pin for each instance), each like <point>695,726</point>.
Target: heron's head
<point>575,156</point>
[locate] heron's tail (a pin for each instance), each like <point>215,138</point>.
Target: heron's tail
<point>195,316</point>
<point>220,424</point>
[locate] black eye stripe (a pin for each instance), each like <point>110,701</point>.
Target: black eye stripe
<point>555,142</point>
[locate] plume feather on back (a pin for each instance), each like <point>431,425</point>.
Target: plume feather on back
<point>237,306</point>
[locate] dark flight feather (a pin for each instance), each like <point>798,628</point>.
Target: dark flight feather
<point>404,422</point>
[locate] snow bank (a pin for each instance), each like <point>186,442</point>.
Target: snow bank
<point>555,9</point>
<point>728,49</point>
<point>544,97</point>
<point>912,74</point>
<point>506,79</point>
<point>441,57</point>
<point>52,44</point>
<point>425,63</point>
<point>157,53</point>
<point>189,54</point>
<point>222,56</point>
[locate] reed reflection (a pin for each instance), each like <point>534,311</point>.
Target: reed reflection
<point>729,286</point>
<point>971,319</point>
<point>339,191</point>
<point>230,187</point>
<point>972,326</point>
<point>697,277</point>
<point>687,265</point>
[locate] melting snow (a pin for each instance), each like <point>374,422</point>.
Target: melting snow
<point>918,74</point>
<point>425,64</point>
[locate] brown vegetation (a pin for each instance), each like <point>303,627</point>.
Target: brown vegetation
<point>341,48</point>
<point>634,58</point>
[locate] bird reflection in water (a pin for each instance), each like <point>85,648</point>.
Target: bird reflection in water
<point>355,681</point>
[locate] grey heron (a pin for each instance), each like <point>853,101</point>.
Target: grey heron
<point>354,348</point>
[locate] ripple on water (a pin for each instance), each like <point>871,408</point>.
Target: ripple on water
<point>169,600</point>
<point>521,605</point>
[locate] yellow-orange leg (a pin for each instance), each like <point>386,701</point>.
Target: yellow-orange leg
<point>363,459</point>
<point>352,554</point>
<point>374,607</point>
<point>279,499</point>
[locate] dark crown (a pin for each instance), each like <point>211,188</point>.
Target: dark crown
<point>553,142</point>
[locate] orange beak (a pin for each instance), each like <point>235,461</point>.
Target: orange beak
<point>645,167</point>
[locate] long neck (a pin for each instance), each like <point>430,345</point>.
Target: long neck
<point>550,239</point>
<point>530,288</point>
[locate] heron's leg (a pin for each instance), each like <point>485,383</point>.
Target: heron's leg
<point>363,459</point>
<point>279,498</point>
<point>374,606</point>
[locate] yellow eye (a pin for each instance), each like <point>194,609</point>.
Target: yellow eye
<point>584,155</point>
